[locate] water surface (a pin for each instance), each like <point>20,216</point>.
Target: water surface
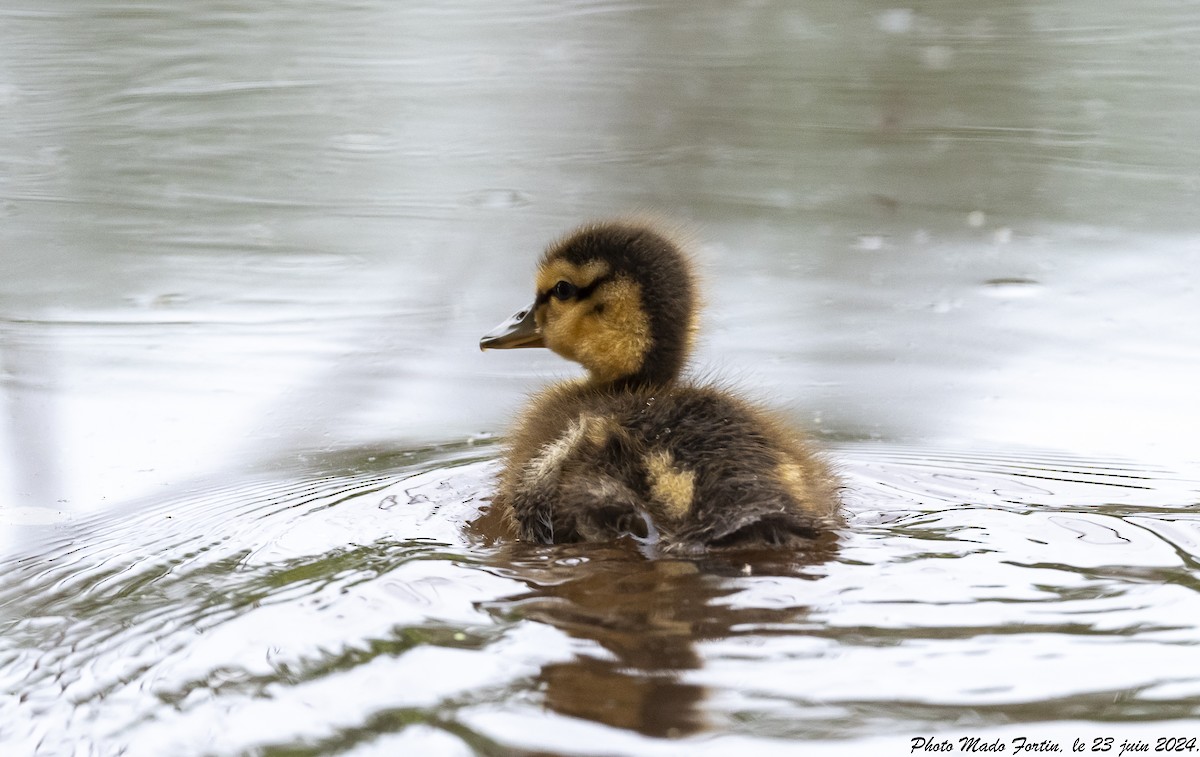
<point>246,254</point>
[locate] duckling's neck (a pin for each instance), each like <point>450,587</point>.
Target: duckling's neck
<point>660,366</point>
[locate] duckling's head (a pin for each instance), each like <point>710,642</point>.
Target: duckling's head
<point>617,297</point>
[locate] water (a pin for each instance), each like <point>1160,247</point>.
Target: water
<point>247,439</point>
<point>360,611</point>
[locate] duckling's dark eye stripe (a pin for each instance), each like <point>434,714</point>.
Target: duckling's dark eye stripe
<point>581,293</point>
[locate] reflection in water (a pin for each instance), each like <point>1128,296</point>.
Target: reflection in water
<point>649,615</point>
<point>630,608</point>
<point>367,605</point>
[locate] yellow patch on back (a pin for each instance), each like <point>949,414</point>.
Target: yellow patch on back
<point>670,486</point>
<point>598,429</point>
<point>795,481</point>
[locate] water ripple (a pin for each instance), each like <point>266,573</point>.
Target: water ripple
<point>354,609</point>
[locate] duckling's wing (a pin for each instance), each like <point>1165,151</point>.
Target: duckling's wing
<point>566,493</point>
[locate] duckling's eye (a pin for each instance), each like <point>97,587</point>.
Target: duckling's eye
<point>564,290</point>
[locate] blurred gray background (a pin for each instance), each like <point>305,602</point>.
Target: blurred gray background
<point>240,236</point>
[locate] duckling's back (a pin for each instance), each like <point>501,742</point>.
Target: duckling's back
<point>691,465</point>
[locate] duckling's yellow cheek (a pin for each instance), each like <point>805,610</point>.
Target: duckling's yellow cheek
<point>614,334</point>
<point>563,329</point>
<point>672,487</point>
<point>609,332</point>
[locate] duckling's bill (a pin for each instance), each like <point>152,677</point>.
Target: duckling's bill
<point>521,330</point>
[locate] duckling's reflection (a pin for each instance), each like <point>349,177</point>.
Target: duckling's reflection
<point>649,613</point>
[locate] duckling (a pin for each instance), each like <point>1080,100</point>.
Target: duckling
<point>635,448</point>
